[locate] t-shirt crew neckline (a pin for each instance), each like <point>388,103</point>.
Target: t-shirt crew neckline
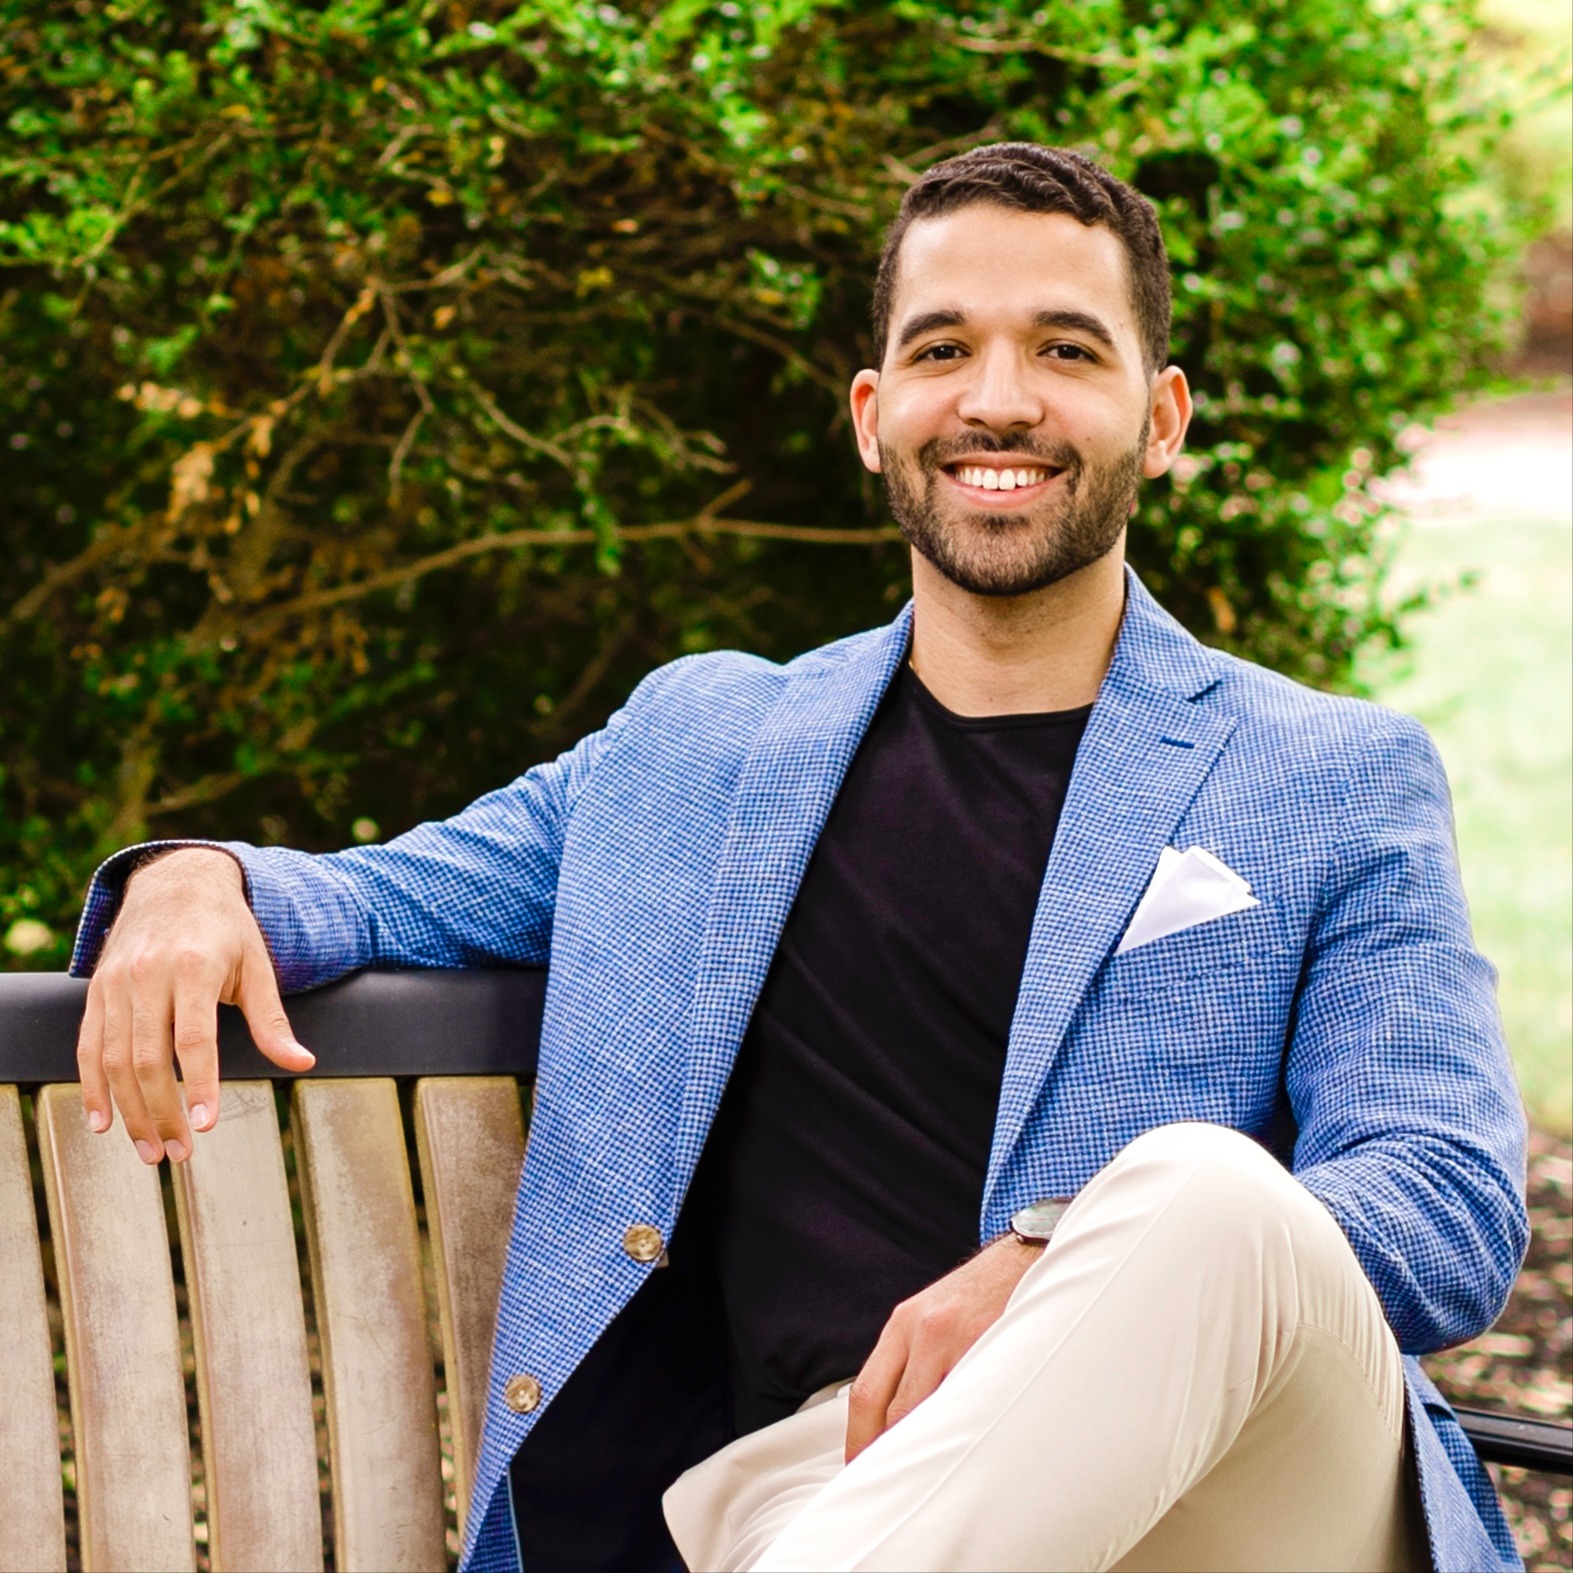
<point>988,723</point>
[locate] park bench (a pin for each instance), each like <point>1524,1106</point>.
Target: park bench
<point>429,1060</point>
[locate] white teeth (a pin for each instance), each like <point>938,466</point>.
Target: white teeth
<point>999,480</point>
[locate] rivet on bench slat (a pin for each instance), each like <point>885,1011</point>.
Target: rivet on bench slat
<point>469,1133</point>
<point>249,1329</point>
<point>371,1315</point>
<point>32,1524</point>
<point>117,1297</point>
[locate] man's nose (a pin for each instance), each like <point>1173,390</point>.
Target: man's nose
<point>1001,394</point>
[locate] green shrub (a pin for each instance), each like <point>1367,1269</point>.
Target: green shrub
<point>384,387</point>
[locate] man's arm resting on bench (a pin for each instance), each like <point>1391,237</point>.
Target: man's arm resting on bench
<point>166,941</point>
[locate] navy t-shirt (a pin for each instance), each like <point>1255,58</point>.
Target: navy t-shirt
<point>845,1170</point>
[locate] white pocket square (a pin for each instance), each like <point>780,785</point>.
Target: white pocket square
<point>1187,888</point>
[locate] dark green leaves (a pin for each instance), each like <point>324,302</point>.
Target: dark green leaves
<point>385,387</point>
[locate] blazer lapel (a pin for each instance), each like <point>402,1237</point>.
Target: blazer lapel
<point>1146,751</point>
<point>787,785</point>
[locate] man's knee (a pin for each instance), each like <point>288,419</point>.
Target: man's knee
<point>1191,1146</point>
<point>1222,1188</point>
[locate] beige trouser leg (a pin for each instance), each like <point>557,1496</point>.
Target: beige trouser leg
<point>1196,1375</point>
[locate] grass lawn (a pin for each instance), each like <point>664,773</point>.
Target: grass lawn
<point>1490,673</point>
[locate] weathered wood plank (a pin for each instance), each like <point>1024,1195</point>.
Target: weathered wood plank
<point>32,1516</point>
<point>248,1325</point>
<point>117,1298</point>
<point>469,1132</point>
<point>371,1316</point>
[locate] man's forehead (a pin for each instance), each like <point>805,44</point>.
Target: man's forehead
<point>985,259</point>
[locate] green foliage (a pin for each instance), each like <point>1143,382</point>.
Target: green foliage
<point>380,381</point>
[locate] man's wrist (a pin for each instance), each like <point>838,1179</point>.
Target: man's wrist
<point>1010,1246</point>
<point>1024,1248</point>
<point>217,858</point>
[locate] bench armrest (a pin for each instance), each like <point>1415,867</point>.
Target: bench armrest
<point>1526,1444</point>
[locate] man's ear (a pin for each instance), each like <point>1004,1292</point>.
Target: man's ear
<point>864,399</point>
<point>1171,415</point>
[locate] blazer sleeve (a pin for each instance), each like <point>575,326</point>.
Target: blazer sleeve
<point>1410,1126</point>
<point>474,889</point>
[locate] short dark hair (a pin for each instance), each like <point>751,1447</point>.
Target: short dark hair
<point>1036,179</point>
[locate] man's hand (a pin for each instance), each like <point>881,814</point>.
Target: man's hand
<point>184,940</point>
<point>927,1335</point>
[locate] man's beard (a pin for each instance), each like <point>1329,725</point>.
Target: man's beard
<point>1000,554</point>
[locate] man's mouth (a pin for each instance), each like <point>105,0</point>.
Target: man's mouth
<point>1002,478</point>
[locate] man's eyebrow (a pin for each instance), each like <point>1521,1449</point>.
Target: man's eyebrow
<point>927,322</point>
<point>1076,322</point>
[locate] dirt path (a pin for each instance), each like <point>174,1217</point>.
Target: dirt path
<point>1511,459</point>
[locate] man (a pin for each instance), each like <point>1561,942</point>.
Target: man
<point>947,984</point>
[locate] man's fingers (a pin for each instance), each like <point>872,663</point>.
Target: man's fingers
<point>876,1384</point>
<point>122,1077</point>
<point>258,998</point>
<point>928,1364</point>
<point>153,1064</point>
<point>97,1107</point>
<point>196,1043</point>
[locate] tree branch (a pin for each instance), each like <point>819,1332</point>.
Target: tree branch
<point>207,789</point>
<point>702,524</point>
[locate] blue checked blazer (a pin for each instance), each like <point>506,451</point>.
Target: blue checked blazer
<point>1347,1018</point>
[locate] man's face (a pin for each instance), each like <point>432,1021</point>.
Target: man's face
<point>1013,416</point>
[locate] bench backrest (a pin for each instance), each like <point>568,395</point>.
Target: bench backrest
<point>237,1263</point>
<point>430,1061</point>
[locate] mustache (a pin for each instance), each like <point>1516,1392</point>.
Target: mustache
<point>940,451</point>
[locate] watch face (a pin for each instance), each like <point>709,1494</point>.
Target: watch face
<point>1037,1221</point>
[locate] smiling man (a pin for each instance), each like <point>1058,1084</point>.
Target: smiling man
<point>1016,1087</point>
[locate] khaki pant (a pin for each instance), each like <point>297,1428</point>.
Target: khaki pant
<point>1195,1375</point>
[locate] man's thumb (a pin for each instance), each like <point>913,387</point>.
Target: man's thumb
<point>259,1002</point>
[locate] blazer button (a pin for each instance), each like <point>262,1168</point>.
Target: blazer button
<point>522,1394</point>
<point>643,1242</point>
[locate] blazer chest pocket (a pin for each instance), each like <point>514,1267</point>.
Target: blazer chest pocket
<point>1228,949</point>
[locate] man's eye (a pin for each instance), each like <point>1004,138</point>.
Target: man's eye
<point>1068,352</point>
<point>939,352</point>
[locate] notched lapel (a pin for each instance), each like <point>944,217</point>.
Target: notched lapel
<point>1147,749</point>
<point>784,794</point>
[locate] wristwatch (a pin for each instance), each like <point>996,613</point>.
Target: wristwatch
<point>1036,1223</point>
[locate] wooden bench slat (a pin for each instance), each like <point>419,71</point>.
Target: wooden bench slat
<point>32,1515</point>
<point>469,1135</point>
<point>248,1325</point>
<point>117,1297</point>
<point>371,1316</point>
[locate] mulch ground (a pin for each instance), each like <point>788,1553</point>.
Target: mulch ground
<point>1525,1363</point>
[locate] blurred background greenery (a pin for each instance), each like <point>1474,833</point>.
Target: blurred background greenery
<point>1488,663</point>
<point>384,387</point>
